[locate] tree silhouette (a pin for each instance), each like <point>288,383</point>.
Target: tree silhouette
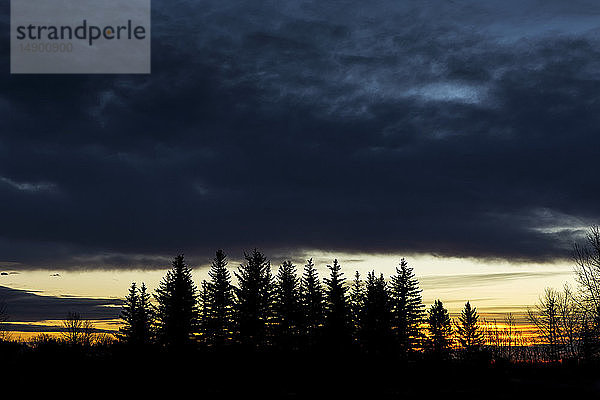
<point>77,331</point>
<point>407,308</point>
<point>204,317</point>
<point>469,332</point>
<point>357,302</point>
<point>587,275</point>
<point>590,335</point>
<point>219,302</point>
<point>545,316</point>
<point>177,309</point>
<point>254,298</point>
<point>337,327</point>
<point>287,304</point>
<point>137,317</point>
<point>145,317</point>
<point>439,340</point>
<point>571,319</point>
<point>312,301</point>
<point>376,315</point>
<point>587,269</point>
<point>128,315</point>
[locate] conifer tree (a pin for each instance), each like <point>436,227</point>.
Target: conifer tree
<point>312,300</point>
<point>337,326</point>
<point>439,340</point>
<point>376,315</point>
<point>469,332</point>
<point>129,315</point>
<point>145,317</point>
<point>254,298</point>
<point>357,300</point>
<point>407,308</point>
<point>204,320</point>
<point>177,309</point>
<point>287,304</point>
<point>220,301</point>
<point>137,317</point>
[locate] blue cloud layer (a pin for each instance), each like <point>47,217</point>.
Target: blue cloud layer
<point>462,128</point>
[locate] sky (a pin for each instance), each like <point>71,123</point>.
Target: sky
<point>450,129</point>
<point>39,299</point>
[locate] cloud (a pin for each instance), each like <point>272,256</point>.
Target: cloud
<point>437,127</point>
<point>453,281</point>
<point>449,91</point>
<point>28,187</point>
<point>26,306</point>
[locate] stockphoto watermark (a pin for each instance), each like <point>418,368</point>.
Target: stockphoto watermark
<point>80,36</point>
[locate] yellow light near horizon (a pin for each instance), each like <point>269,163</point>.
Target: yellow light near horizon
<point>495,288</point>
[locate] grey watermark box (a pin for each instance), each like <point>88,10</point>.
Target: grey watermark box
<point>80,36</point>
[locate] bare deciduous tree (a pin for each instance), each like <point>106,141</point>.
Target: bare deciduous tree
<point>587,268</point>
<point>558,320</point>
<point>571,320</point>
<point>77,331</point>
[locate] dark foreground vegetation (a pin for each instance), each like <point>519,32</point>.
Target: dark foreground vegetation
<point>297,336</point>
<point>235,373</point>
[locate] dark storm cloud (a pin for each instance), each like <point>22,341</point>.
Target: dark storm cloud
<point>26,306</point>
<point>449,127</point>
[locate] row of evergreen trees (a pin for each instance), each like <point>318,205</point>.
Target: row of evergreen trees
<point>290,312</point>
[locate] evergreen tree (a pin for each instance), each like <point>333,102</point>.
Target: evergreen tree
<point>407,308</point>
<point>312,301</point>
<point>220,301</point>
<point>145,317</point>
<point>177,309</point>
<point>287,304</point>
<point>376,315</point>
<point>137,317</point>
<point>337,326</point>
<point>469,332</point>
<point>439,340</point>
<point>357,300</point>
<point>204,322</point>
<point>129,316</point>
<point>254,298</point>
